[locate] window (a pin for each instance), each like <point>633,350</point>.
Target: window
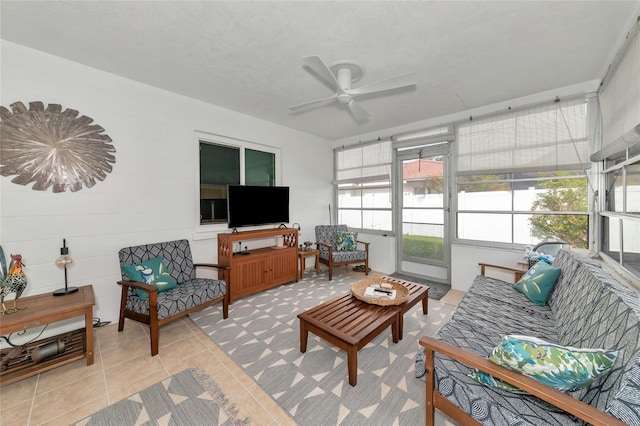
<point>619,218</point>
<point>521,176</point>
<point>219,167</point>
<point>224,161</point>
<point>620,238</point>
<point>260,168</point>
<point>363,186</point>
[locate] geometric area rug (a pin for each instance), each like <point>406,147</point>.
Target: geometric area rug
<point>262,336</point>
<point>190,397</point>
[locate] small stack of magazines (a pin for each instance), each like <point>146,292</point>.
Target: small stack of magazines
<point>375,291</point>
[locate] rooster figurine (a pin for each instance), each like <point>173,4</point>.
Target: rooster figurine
<point>15,281</point>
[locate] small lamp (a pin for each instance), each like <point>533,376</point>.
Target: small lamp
<point>64,261</point>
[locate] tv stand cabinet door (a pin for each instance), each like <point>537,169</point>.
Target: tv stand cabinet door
<point>284,267</point>
<point>249,275</point>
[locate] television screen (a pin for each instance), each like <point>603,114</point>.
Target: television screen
<point>257,205</point>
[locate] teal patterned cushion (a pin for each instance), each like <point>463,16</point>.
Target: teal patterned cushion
<point>538,282</point>
<point>346,241</point>
<point>562,367</point>
<point>152,271</point>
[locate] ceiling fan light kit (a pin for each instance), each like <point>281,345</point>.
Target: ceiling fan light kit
<point>341,76</point>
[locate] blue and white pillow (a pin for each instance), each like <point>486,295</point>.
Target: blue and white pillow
<point>152,271</point>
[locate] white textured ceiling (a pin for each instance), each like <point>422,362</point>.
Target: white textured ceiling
<point>246,56</point>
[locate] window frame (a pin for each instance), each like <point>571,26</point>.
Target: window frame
<point>622,216</point>
<point>576,171</point>
<point>210,230</point>
<point>365,181</point>
<point>512,212</point>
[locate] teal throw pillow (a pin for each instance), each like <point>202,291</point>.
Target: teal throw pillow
<point>564,368</point>
<point>538,282</point>
<point>152,271</point>
<point>346,241</point>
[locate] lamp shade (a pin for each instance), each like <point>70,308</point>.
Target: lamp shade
<point>64,261</point>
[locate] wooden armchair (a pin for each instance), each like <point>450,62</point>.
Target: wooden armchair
<point>158,308</point>
<point>326,243</point>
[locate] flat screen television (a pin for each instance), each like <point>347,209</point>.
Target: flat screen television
<point>257,205</point>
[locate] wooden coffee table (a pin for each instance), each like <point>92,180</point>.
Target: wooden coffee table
<point>417,293</point>
<point>350,323</point>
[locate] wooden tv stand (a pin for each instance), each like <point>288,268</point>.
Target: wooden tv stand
<point>260,268</point>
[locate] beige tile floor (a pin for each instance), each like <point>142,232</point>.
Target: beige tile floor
<point>123,366</point>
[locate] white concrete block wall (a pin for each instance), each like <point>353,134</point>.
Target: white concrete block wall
<point>150,194</point>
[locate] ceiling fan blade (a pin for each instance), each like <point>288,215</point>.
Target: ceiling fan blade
<point>386,84</point>
<point>310,104</point>
<point>358,112</point>
<point>323,71</point>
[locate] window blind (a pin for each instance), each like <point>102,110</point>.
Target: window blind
<point>547,137</point>
<point>619,98</point>
<point>364,163</point>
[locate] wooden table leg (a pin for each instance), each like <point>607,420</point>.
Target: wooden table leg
<point>304,334</point>
<point>400,326</point>
<point>88,323</point>
<point>396,328</point>
<point>425,303</point>
<point>302,265</point>
<point>352,362</point>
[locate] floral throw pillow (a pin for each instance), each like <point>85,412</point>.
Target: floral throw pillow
<point>346,241</point>
<point>152,271</point>
<point>564,368</point>
<point>489,380</point>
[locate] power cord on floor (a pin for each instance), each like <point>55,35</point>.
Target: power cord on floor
<point>97,323</point>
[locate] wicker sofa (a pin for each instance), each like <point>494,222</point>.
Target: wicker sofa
<point>588,308</point>
<point>190,295</point>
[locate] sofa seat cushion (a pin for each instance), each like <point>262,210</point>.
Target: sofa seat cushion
<point>489,406</point>
<point>503,319</point>
<point>185,296</point>
<point>489,291</point>
<point>626,404</point>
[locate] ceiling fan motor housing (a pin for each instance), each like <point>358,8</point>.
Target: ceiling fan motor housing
<point>343,98</point>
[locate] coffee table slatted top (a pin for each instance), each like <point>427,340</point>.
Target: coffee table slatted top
<point>350,320</point>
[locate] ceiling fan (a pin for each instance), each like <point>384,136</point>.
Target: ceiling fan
<point>340,77</point>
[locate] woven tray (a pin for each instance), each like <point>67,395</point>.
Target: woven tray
<point>358,289</point>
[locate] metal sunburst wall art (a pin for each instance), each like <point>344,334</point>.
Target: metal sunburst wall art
<point>51,147</point>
